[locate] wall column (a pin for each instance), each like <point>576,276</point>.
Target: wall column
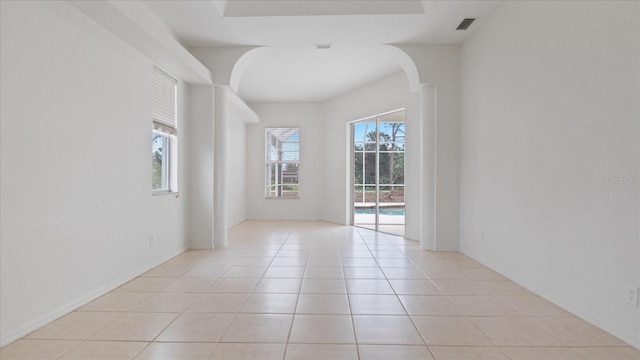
<point>201,167</point>
<point>428,164</point>
<point>220,125</point>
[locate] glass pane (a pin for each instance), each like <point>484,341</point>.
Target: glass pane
<point>282,144</point>
<point>361,131</point>
<point>289,191</point>
<point>391,216</point>
<point>282,179</point>
<point>370,195</point>
<point>369,133</point>
<point>159,162</point>
<point>358,194</point>
<point>271,180</point>
<point>392,168</point>
<point>358,174</point>
<point>392,135</point>
<point>384,168</point>
<point>392,209</point>
<point>391,147</point>
<point>370,168</point>
<point>392,194</point>
<point>289,173</point>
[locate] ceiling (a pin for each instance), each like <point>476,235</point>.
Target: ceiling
<point>293,69</point>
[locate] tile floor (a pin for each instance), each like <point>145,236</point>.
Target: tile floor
<point>314,290</point>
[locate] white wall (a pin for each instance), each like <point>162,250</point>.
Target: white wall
<point>236,171</point>
<point>309,117</point>
<point>550,130</point>
<point>387,94</point>
<point>76,207</point>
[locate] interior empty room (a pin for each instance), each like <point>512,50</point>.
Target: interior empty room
<point>387,179</point>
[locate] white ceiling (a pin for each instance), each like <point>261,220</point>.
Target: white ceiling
<point>293,70</point>
<point>308,74</point>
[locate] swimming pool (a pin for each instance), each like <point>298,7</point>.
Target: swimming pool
<point>394,211</point>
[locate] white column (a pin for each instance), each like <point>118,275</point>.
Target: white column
<point>221,118</point>
<point>201,162</point>
<point>428,162</point>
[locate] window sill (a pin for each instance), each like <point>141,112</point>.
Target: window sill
<point>160,193</point>
<point>282,198</point>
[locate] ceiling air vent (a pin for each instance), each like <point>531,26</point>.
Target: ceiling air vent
<point>464,25</point>
<point>323,46</point>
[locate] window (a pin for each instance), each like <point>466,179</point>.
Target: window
<point>282,153</point>
<point>164,135</point>
<point>160,162</point>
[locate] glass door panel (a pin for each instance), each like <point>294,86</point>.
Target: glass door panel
<point>378,169</point>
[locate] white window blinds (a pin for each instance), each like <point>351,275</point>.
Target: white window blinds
<point>164,102</point>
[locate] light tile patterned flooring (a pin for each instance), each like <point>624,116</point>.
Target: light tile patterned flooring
<point>314,290</point>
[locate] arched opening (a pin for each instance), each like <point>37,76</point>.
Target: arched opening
<point>336,144</point>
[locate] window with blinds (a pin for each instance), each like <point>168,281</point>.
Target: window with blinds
<point>165,107</point>
<point>282,157</point>
<point>164,134</point>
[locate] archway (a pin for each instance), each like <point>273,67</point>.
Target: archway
<point>426,109</point>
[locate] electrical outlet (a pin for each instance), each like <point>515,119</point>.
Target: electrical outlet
<point>151,239</point>
<point>631,296</point>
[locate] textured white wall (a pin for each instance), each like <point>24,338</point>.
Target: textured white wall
<point>550,153</point>
<point>76,208</point>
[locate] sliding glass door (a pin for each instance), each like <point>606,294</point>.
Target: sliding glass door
<point>378,173</point>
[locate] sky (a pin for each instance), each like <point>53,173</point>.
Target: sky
<point>360,129</point>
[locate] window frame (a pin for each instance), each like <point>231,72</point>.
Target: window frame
<point>278,164</point>
<point>165,162</point>
<point>165,124</point>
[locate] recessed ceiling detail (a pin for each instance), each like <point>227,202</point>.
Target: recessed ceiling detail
<point>208,23</point>
<point>251,8</point>
<point>287,34</point>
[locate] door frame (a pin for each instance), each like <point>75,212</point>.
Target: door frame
<point>351,165</point>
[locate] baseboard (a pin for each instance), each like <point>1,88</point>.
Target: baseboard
<point>283,219</point>
<point>566,305</point>
<point>32,326</point>
<point>334,222</point>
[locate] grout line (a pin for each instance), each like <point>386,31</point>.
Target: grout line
<point>293,317</point>
<point>70,350</point>
<point>342,243</point>
<point>353,323</point>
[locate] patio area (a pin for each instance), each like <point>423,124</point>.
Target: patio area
<point>391,221</point>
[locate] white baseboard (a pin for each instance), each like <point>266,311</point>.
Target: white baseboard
<point>34,325</point>
<point>566,305</point>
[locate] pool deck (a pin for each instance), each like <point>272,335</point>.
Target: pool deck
<point>391,224</point>
<point>397,230</point>
<point>372,204</point>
